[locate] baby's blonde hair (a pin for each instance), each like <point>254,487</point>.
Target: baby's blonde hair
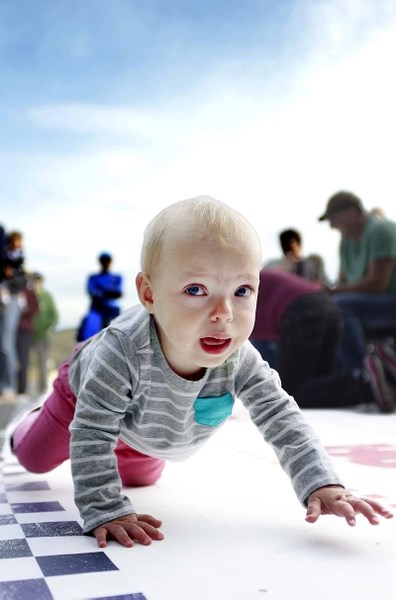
<point>203,217</point>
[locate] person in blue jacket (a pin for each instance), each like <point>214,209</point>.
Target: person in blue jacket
<point>105,289</point>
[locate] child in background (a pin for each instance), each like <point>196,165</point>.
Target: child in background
<point>162,378</point>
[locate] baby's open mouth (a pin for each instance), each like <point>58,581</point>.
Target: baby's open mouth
<point>215,345</point>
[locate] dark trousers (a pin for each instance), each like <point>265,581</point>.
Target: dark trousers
<point>310,337</point>
<point>24,343</point>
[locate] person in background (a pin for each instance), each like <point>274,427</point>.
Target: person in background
<point>162,378</point>
<point>2,251</point>
<point>44,322</point>
<point>293,261</point>
<point>14,254</point>
<point>25,336</point>
<point>366,287</point>
<point>378,212</point>
<point>13,302</point>
<point>298,332</point>
<point>4,296</point>
<point>105,289</point>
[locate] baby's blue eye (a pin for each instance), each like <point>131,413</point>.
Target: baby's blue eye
<point>194,290</point>
<point>243,292</point>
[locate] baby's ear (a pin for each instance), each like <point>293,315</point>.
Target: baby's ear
<point>144,291</point>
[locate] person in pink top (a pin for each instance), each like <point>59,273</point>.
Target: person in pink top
<point>298,332</point>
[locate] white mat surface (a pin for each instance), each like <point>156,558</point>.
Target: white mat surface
<point>233,528</point>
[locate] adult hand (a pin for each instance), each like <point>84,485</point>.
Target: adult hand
<point>129,529</point>
<point>335,500</point>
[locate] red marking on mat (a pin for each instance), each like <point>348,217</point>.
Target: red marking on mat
<point>373,455</point>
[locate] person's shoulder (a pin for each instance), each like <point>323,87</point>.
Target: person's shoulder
<point>381,228</point>
<point>251,370</point>
<point>130,317</point>
<point>246,359</point>
<point>388,225</point>
<point>314,259</point>
<point>127,334</point>
<point>44,293</point>
<point>376,224</point>
<point>134,324</point>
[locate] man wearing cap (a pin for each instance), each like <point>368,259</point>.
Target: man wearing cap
<point>366,288</point>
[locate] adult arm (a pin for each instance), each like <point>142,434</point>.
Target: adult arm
<point>105,286</point>
<point>375,281</point>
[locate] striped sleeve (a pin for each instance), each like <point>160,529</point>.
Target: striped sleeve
<point>101,405</point>
<point>284,427</point>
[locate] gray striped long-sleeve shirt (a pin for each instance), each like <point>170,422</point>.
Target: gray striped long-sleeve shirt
<point>125,389</point>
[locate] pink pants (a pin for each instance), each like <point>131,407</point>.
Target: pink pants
<point>41,441</point>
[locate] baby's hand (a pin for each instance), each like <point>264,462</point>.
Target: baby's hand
<point>334,500</point>
<point>128,530</point>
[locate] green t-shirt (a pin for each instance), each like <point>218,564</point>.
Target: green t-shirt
<point>378,241</point>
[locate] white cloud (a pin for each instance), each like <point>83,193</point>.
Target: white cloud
<point>91,118</point>
<point>276,158</point>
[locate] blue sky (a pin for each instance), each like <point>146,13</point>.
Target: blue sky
<point>112,109</point>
